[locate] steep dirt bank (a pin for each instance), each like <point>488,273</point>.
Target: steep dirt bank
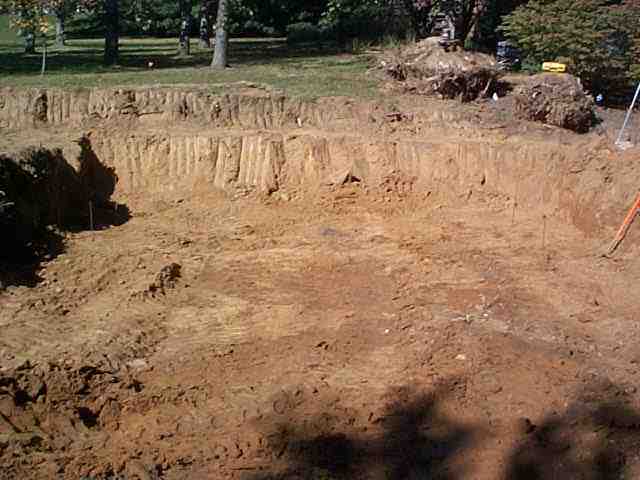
<point>580,183</point>
<point>245,109</point>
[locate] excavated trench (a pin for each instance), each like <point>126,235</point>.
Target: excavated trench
<point>157,305</point>
<point>161,140</point>
<point>541,178</point>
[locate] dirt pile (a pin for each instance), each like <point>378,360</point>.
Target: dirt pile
<point>51,407</point>
<point>426,68</point>
<point>556,100</point>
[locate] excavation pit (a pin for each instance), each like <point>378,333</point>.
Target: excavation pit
<point>303,292</point>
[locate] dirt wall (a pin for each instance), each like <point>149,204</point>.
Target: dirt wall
<point>547,178</point>
<point>158,140</point>
<point>21,108</point>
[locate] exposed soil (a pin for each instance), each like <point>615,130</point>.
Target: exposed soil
<point>427,68</point>
<point>556,100</point>
<point>402,299</point>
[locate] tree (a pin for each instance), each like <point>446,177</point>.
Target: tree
<point>594,36</point>
<point>420,15</point>
<point>61,10</point>
<point>221,47</point>
<point>111,32</point>
<point>486,33</point>
<point>185,27</point>
<point>29,18</point>
<point>204,30</point>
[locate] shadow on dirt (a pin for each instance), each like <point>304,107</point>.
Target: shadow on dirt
<point>595,439</point>
<point>99,183</point>
<point>412,439</point>
<point>41,197</point>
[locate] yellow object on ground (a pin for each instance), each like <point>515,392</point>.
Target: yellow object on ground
<point>554,67</point>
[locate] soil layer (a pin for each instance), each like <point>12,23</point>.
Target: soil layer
<point>291,302</point>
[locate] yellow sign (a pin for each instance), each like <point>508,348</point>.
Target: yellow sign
<point>554,67</point>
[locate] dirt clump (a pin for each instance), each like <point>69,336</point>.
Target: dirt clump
<point>426,68</point>
<point>166,279</point>
<point>558,100</point>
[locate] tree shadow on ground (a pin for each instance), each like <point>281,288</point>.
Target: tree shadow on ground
<point>595,439</point>
<point>99,183</point>
<point>135,56</point>
<point>22,265</point>
<point>413,439</point>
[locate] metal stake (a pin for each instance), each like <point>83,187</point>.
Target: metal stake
<point>628,116</point>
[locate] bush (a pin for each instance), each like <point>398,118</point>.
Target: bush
<point>255,28</point>
<point>595,38</point>
<point>304,32</point>
<point>356,19</point>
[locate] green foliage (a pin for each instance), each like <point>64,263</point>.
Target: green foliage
<point>596,37</point>
<point>8,36</point>
<point>303,32</point>
<point>487,34</point>
<point>274,16</point>
<point>162,17</point>
<point>355,18</point>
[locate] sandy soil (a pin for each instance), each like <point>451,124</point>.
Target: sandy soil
<point>356,332</point>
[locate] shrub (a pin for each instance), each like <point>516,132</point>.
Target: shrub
<point>303,32</point>
<point>590,34</point>
<point>255,28</point>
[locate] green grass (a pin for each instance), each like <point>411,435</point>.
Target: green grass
<point>8,37</point>
<point>306,70</point>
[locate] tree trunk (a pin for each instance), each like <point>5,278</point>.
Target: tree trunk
<point>112,31</point>
<point>185,28</point>
<point>44,55</point>
<point>60,35</point>
<point>204,30</point>
<point>29,43</point>
<point>220,51</point>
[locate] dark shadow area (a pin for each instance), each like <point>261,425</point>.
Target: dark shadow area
<point>99,183</point>
<point>19,264</point>
<point>87,416</point>
<point>136,56</point>
<point>594,439</point>
<point>42,196</point>
<point>412,439</point>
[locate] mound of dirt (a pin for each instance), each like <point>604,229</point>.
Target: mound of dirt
<point>426,68</point>
<point>556,100</point>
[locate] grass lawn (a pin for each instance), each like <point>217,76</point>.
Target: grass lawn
<point>8,37</point>
<point>306,70</point>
